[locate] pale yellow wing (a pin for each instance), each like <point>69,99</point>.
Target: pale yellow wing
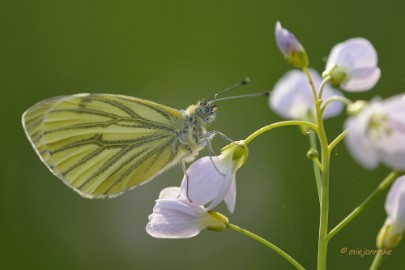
<point>101,145</point>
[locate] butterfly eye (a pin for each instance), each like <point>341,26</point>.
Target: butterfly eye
<point>200,111</point>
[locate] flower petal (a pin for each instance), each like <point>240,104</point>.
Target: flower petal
<point>170,193</point>
<point>292,96</point>
<point>361,79</point>
<point>354,53</point>
<point>393,151</point>
<point>358,144</point>
<point>205,183</point>
<point>391,145</point>
<point>395,205</point>
<point>396,189</point>
<point>230,197</point>
<point>174,219</point>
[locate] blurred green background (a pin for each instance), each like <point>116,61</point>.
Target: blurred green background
<point>177,52</point>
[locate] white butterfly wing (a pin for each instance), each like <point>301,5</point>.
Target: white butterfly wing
<point>101,144</point>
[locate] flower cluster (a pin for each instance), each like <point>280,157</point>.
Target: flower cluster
<point>374,133</point>
<point>351,65</point>
<point>376,130</point>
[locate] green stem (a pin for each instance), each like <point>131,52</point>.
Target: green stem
<point>337,140</point>
<point>325,154</point>
<point>322,86</point>
<point>311,83</point>
<point>277,125</point>
<point>324,209</point>
<point>377,261</point>
<point>317,172</point>
<point>342,99</point>
<point>383,185</point>
<point>266,243</point>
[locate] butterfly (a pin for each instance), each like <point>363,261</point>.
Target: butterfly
<point>101,145</point>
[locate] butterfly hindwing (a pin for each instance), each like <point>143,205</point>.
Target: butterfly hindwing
<point>101,144</point>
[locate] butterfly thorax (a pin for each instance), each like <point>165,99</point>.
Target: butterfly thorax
<point>194,136</point>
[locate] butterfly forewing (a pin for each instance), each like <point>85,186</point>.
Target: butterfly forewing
<point>100,144</point>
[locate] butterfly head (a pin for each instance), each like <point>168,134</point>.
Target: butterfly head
<point>204,111</point>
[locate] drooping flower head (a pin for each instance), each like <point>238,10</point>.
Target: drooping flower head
<point>290,47</point>
<point>391,233</point>
<point>352,65</point>
<point>211,180</point>
<point>377,133</point>
<point>175,217</point>
<point>292,97</point>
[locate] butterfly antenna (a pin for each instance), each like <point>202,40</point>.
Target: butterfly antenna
<point>263,94</point>
<point>245,81</point>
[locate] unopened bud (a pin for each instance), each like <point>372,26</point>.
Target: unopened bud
<point>290,47</point>
<point>220,224</point>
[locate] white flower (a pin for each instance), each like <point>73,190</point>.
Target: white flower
<point>292,96</point>
<point>377,133</point>
<point>180,212</point>
<point>290,47</point>
<point>211,180</point>
<point>352,64</point>
<point>394,226</point>
<point>174,217</point>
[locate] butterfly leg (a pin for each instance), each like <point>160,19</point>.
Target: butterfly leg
<point>215,132</point>
<point>208,137</point>
<point>183,167</point>
<point>211,152</point>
